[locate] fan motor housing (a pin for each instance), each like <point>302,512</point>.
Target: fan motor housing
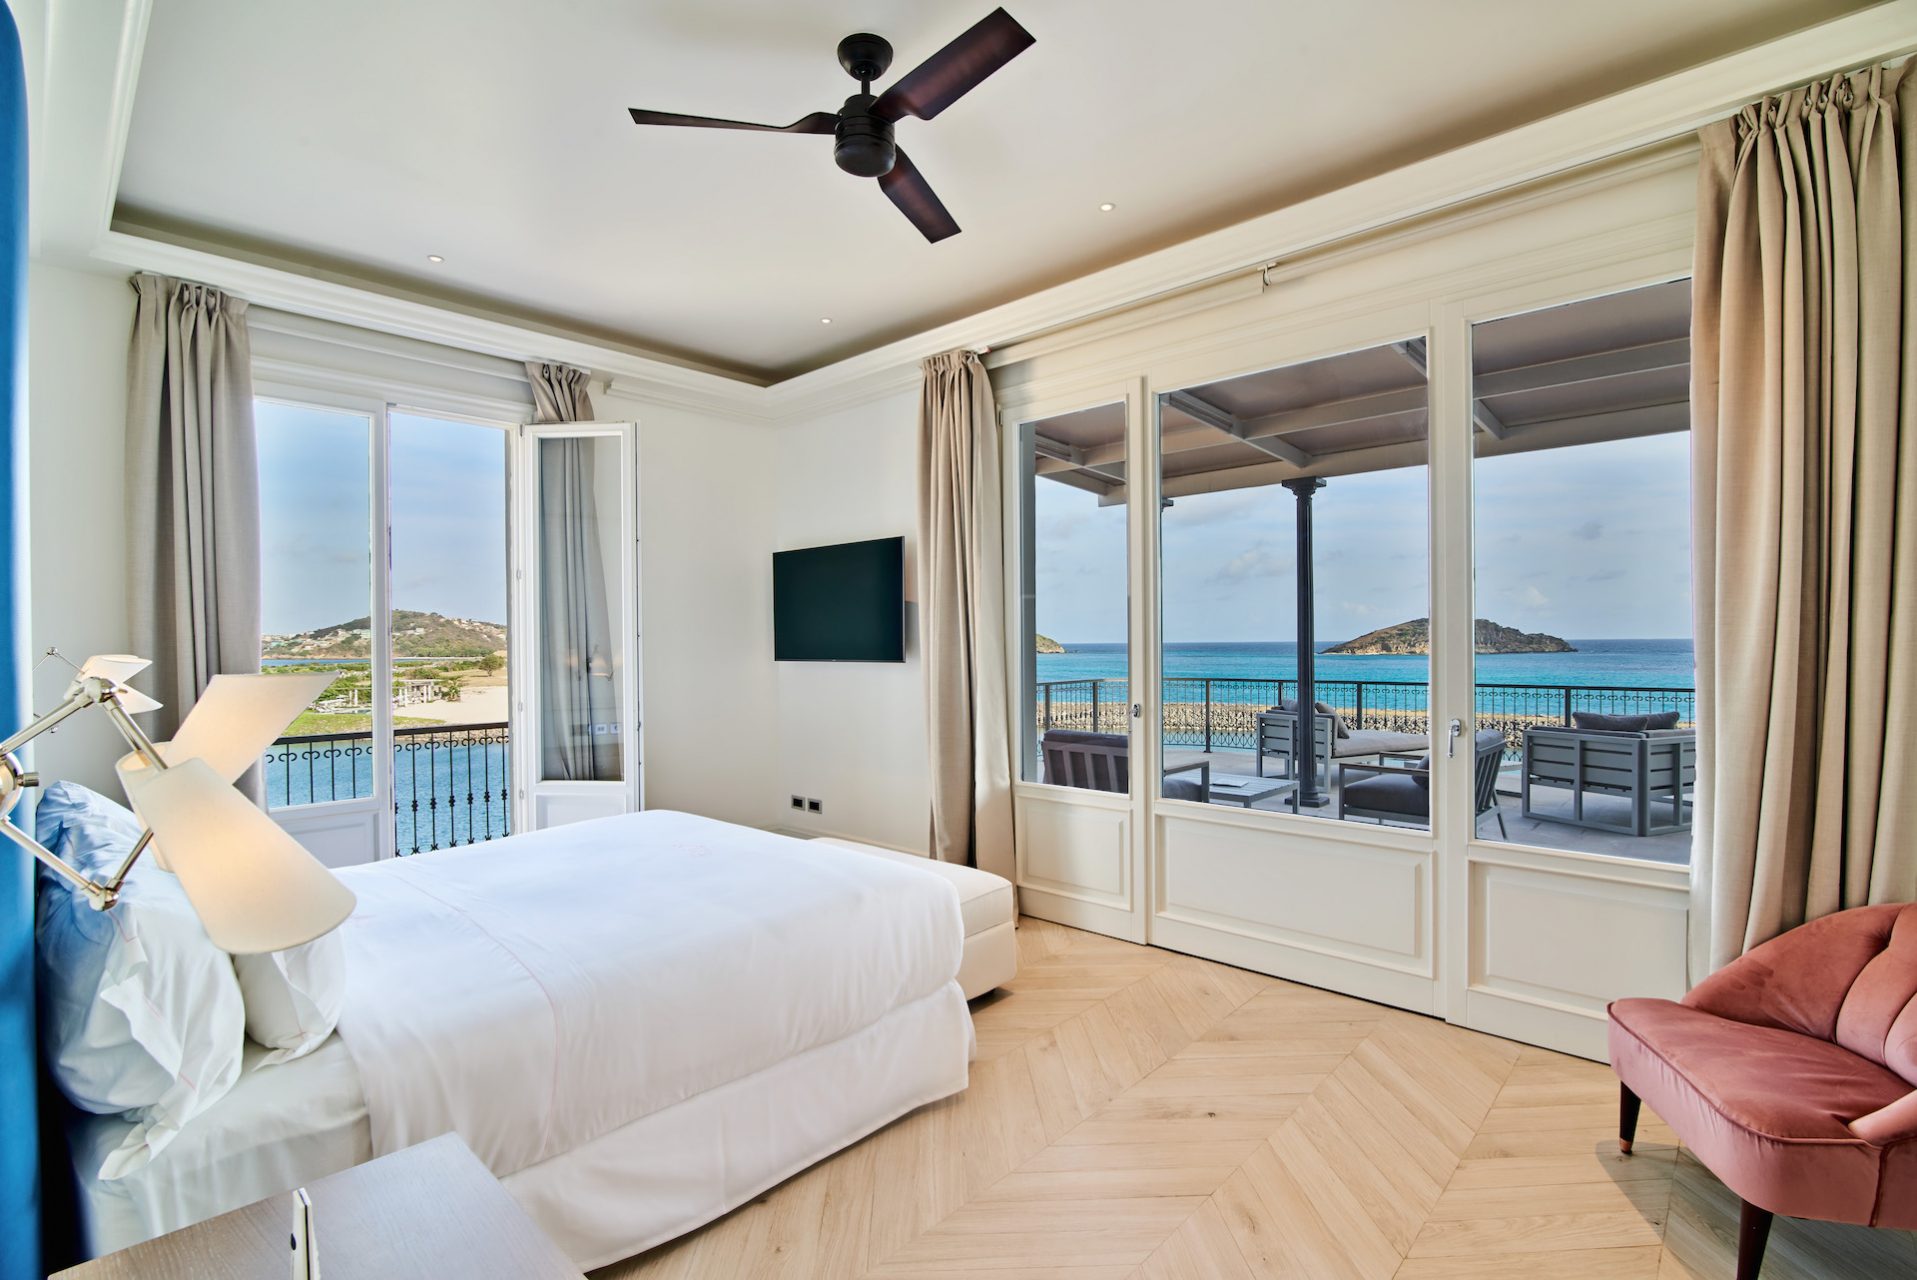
<point>862,142</point>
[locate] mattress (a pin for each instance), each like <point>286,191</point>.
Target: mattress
<point>281,1126</point>
<point>640,1185</point>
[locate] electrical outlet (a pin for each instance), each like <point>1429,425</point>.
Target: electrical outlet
<point>798,802</point>
<point>814,806</point>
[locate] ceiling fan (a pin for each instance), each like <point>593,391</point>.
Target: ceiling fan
<point>862,128</point>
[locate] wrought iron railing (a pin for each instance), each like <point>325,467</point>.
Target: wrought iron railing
<point>1220,712</point>
<point>451,784</point>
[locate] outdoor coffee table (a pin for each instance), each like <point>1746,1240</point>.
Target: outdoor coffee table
<point>1242,789</point>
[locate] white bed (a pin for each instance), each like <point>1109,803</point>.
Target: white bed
<point>514,992</point>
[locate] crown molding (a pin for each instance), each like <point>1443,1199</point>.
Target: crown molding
<point>86,64</point>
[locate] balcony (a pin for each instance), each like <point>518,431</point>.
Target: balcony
<point>1214,719</point>
<point>451,784</point>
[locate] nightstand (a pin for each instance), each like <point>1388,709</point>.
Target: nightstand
<point>429,1211</point>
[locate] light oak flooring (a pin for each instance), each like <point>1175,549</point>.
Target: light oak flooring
<point>1140,1115</point>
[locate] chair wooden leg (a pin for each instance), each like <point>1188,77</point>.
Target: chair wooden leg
<point>1753,1233</point>
<point>1627,1107</point>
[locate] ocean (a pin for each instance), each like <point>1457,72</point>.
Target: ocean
<point>1631,664</point>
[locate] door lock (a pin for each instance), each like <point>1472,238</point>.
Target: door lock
<point>1138,710</point>
<point>1451,746</point>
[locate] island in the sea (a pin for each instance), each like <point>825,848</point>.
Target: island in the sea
<point>1415,637</point>
<point>1048,645</point>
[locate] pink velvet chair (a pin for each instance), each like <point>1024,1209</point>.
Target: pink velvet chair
<point>1791,1073</point>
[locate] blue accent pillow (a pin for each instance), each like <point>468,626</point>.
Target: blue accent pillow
<point>141,1013</point>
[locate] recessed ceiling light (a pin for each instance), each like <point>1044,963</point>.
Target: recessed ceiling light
<point>1107,207</point>
<point>825,319</point>
<point>433,257</point>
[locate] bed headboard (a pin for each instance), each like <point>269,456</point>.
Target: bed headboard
<point>19,1157</point>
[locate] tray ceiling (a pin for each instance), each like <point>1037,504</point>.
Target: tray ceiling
<point>359,137</point>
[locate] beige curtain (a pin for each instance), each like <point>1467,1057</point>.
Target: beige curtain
<point>192,493</point>
<point>1804,411</point>
<point>577,689</point>
<point>962,614</point>
<point>559,392</point>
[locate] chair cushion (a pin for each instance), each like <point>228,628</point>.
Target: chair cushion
<point>1767,1110</point>
<point>1626,723</point>
<point>1370,742</point>
<point>1338,727</point>
<point>1389,793</point>
<point>985,900</point>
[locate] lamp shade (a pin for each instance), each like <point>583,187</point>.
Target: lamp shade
<point>237,718</point>
<point>115,668</point>
<point>254,887</point>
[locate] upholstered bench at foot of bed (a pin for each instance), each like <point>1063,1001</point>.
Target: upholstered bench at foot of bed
<point>985,905</point>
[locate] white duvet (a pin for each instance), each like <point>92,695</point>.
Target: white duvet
<point>535,993</point>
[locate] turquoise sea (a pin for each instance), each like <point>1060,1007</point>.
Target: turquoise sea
<point>1632,664</point>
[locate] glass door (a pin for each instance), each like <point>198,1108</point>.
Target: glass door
<point>447,630</point>
<point>578,598</point>
<point>1568,850</point>
<point>320,475</point>
<point>1076,795</point>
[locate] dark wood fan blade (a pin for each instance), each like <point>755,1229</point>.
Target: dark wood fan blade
<point>908,189</point>
<point>817,122</point>
<point>955,70</point>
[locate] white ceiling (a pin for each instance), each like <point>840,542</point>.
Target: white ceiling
<point>360,136</point>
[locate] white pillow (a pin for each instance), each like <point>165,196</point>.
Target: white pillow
<point>293,997</point>
<point>142,1013</point>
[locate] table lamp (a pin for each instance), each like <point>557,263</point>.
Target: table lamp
<point>254,887</point>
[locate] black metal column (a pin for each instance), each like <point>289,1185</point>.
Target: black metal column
<point>1305,738</point>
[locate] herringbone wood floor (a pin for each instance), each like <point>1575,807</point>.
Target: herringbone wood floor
<point>1140,1115</point>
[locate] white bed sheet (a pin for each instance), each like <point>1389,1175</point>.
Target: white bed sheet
<point>645,1183</point>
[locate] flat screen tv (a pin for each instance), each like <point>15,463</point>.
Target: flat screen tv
<point>843,603</point>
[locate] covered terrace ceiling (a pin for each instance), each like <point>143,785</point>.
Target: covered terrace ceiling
<point>1609,368</point>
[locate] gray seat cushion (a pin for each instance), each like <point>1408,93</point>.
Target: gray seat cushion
<point>1369,742</point>
<point>1183,788</point>
<point>1397,793</point>
<point>1625,723</point>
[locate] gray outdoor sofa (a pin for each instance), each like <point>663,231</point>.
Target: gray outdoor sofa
<point>1278,731</point>
<point>1652,766</point>
<point>1102,762</point>
<point>1401,793</point>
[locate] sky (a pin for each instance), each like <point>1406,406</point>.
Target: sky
<point>448,482</point>
<point>1591,542</point>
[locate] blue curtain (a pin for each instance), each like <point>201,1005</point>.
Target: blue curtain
<point>19,1122</point>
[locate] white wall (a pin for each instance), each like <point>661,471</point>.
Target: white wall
<point>853,734</point>
<point>78,328</point>
<point>705,570</point>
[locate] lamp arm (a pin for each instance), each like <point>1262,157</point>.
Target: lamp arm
<point>79,700</point>
<point>134,735</point>
<point>85,693</point>
<point>101,896</point>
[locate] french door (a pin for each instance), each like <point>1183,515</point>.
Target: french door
<point>1359,654</point>
<point>425,560</point>
<point>576,510</point>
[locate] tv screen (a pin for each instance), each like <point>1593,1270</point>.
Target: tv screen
<point>844,603</point>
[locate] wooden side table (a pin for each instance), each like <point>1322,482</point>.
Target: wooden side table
<point>429,1211</point>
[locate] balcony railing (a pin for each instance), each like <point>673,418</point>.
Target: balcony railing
<point>451,784</point>
<point>1220,712</point>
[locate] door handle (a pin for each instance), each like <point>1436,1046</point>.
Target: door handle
<point>1451,745</point>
